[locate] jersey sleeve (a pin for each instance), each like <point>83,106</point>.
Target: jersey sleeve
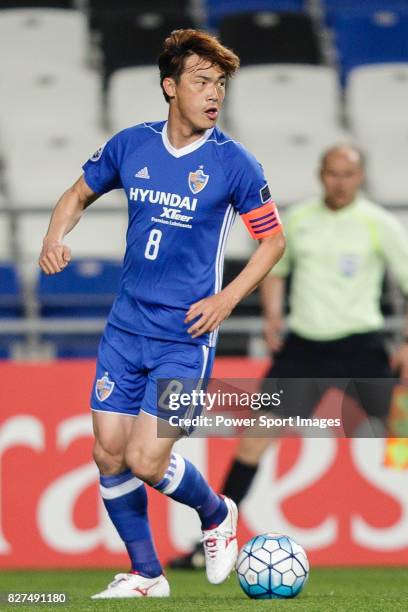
<point>101,171</point>
<point>251,197</point>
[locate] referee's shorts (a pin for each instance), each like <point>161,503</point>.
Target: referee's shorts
<point>358,365</point>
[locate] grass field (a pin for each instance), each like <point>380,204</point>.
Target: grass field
<point>337,590</point>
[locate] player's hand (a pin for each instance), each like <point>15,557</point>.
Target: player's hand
<point>54,257</point>
<point>399,361</point>
<point>210,311</point>
<point>272,330</point>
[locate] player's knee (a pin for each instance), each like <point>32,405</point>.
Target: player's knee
<point>108,457</point>
<point>146,466</point>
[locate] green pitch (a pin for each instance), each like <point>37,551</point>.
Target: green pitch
<point>328,590</point>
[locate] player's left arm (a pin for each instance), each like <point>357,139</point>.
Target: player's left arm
<point>214,309</point>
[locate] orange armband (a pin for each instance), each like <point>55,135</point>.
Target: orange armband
<point>263,221</point>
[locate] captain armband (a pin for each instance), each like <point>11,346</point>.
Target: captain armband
<point>263,221</point>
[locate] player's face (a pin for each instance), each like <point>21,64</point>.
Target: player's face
<point>342,176</point>
<point>199,94</point>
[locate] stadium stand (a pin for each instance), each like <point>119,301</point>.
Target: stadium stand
<point>290,157</point>
<point>378,37</point>
<point>93,6</point>
<point>387,154</point>
<point>134,97</point>
<point>60,152</point>
<point>11,307</point>
<point>333,8</point>
<point>64,4</point>
<point>86,290</point>
<point>142,6</point>
<point>377,98</point>
<point>217,9</point>
<point>98,235</point>
<point>5,238</point>
<point>33,38</point>
<point>68,98</point>
<point>101,11</point>
<point>134,38</point>
<point>403,215</point>
<point>115,199</point>
<point>269,37</point>
<point>11,298</point>
<point>289,94</point>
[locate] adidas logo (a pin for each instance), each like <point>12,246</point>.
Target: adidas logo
<point>143,173</point>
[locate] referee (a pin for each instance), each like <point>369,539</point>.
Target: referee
<point>338,247</point>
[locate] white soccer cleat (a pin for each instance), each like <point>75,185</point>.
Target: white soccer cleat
<point>135,585</point>
<point>221,547</point>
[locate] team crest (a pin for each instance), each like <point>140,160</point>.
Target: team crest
<point>197,180</point>
<point>104,387</point>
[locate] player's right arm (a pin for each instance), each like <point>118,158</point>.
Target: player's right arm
<point>55,255</point>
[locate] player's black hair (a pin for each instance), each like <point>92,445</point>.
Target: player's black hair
<point>182,43</point>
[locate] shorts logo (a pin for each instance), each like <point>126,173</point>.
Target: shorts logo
<point>98,154</point>
<point>104,387</point>
<point>197,180</point>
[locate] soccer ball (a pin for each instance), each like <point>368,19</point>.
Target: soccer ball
<point>272,566</point>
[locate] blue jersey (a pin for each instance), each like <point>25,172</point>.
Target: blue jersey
<point>182,204</point>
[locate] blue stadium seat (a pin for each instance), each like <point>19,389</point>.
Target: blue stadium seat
<point>376,38</point>
<point>86,289</point>
<point>335,8</point>
<point>217,9</point>
<point>11,304</point>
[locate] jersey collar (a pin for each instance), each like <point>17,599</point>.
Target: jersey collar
<point>193,146</point>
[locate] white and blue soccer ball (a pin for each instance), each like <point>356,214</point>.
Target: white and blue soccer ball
<point>272,566</point>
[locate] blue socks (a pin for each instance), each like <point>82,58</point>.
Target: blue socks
<point>184,483</point>
<point>125,499</point>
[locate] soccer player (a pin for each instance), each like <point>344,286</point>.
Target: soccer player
<point>185,182</point>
